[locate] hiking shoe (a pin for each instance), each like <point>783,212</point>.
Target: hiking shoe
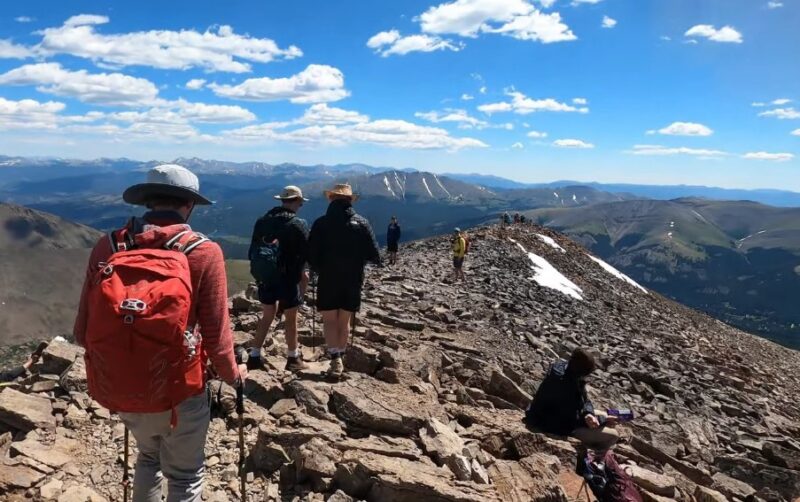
<point>295,364</point>
<point>255,363</point>
<point>337,369</point>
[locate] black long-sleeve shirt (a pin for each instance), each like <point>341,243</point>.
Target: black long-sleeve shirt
<point>561,404</point>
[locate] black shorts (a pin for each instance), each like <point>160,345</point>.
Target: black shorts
<point>333,296</point>
<point>458,262</point>
<point>392,247</point>
<point>285,293</point>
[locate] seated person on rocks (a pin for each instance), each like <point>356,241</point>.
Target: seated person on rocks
<point>562,407</point>
<point>11,374</point>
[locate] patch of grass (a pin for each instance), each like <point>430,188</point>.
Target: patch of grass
<point>238,275</point>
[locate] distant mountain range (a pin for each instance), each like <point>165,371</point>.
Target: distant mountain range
<point>739,261</point>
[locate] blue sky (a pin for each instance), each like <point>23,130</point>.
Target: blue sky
<point>643,91</point>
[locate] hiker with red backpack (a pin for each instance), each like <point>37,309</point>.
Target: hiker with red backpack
<point>152,310</point>
<point>278,254</point>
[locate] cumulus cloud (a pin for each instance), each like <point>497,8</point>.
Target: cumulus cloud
<point>684,129</point>
<point>315,84</point>
<point>217,49</point>
<point>98,88</point>
<point>24,19</point>
<point>580,101</point>
<point>774,157</point>
<point>663,150</point>
<point>796,132</point>
<point>523,105</point>
<point>572,143</point>
<point>781,113</point>
<point>450,115</point>
<point>10,50</point>
<point>467,97</point>
<point>195,84</point>
<point>781,101</point>
<point>537,134</point>
<point>774,4</point>
<point>517,146</point>
<point>321,113</point>
<point>608,22</point>
<point>29,114</point>
<point>387,43</point>
<point>388,133</point>
<point>726,34</point>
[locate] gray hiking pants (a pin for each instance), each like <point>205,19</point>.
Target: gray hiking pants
<point>177,453</point>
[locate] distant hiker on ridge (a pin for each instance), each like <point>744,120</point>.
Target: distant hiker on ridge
<point>562,407</point>
<point>149,287</point>
<point>393,239</point>
<point>278,254</point>
<point>340,245</point>
<point>459,245</point>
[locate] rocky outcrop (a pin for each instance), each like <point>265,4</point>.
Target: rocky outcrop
<point>432,406</point>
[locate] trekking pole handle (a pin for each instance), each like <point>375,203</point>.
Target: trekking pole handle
<point>240,397</point>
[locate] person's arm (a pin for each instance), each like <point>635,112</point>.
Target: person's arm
<point>12,374</point>
<point>255,239</point>
<point>371,251</point>
<point>212,313</point>
<point>315,245</point>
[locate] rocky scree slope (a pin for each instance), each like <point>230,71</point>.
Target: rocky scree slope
<point>439,374</point>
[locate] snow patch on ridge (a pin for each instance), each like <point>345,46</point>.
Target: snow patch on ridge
<point>425,182</point>
<point>388,186</point>
<point>438,182</point>
<point>616,273</point>
<point>548,276</point>
<point>551,242</point>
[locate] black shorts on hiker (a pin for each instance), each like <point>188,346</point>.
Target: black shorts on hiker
<point>286,293</point>
<point>458,262</point>
<point>338,297</point>
<point>392,247</point>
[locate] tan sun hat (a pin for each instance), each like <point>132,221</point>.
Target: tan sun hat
<point>291,192</point>
<point>342,189</point>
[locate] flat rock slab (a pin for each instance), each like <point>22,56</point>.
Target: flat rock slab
<point>81,494</point>
<point>654,482</point>
<point>388,446</point>
<point>529,480</point>
<point>58,356</point>
<point>375,405</point>
<point>18,476</point>
<point>26,411</point>
<point>47,455</point>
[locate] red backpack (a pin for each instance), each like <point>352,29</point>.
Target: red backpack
<point>141,356</point>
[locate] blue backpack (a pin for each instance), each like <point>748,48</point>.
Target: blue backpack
<point>266,265</point>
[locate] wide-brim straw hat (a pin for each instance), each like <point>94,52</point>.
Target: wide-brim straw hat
<point>342,190</point>
<point>170,180</point>
<point>291,192</point>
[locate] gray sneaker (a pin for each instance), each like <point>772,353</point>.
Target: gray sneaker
<point>337,368</point>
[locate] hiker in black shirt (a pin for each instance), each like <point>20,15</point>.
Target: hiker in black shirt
<point>393,240</point>
<point>11,374</point>
<point>561,405</point>
<point>340,245</point>
<point>285,293</point>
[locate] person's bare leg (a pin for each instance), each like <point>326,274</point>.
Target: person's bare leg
<point>304,284</point>
<point>290,329</point>
<point>267,316</point>
<point>330,328</point>
<point>343,328</point>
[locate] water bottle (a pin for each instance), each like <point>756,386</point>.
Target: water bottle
<point>190,343</point>
<point>622,414</point>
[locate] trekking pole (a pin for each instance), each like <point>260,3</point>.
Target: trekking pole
<point>240,412</point>
<point>314,312</point>
<point>125,476</point>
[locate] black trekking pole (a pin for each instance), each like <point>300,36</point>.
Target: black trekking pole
<point>240,412</point>
<point>314,311</point>
<point>125,474</point>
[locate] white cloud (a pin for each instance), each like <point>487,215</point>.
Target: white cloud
<point>211,114</point>
<point>758,104</point>
<point>387,43</point>
<point>663,150</point>
<point>450,115</point>
<point>774,4</point>
<point>725,34</point>
<point>29,114</point>
<point>24,19</point>
<point>774,157</point>
<point>608,22</point>
<point>467,97</point>
<point>580,101</point>
<point>99,88</point>
<point>219,50</point>
<point>781,113</point>
<point>515,18</point>
<point>537,134</point>
<point>781,101</point>
<point>547,3</point>
<point>10,50</point>
<point>195,84</point>
<point>523,105</point>
<point>517,146</point>
<point>315,84</point>
<point>483,89</point>
<point>685,129</point>
<point>592,2</point>
<point>572,143</point>
<point>796,132</point>
<point>388,133</point>
<point>321,113</point>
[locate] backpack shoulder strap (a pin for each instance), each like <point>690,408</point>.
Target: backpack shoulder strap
<point>186,241</point>
<point>122,239</point>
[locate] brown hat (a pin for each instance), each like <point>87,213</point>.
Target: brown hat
<point>290,192</point>
<point>343,190</point>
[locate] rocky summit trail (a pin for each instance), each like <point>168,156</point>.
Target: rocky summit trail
<point>439,375</point>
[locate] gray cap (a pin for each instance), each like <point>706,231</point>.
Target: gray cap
<point>167,180</point>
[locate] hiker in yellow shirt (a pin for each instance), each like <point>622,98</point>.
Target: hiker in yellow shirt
<point>459,252</point>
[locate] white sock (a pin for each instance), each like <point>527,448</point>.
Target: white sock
<point>333,351</point>
<point>293,353</point>
<point>255,352</point>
